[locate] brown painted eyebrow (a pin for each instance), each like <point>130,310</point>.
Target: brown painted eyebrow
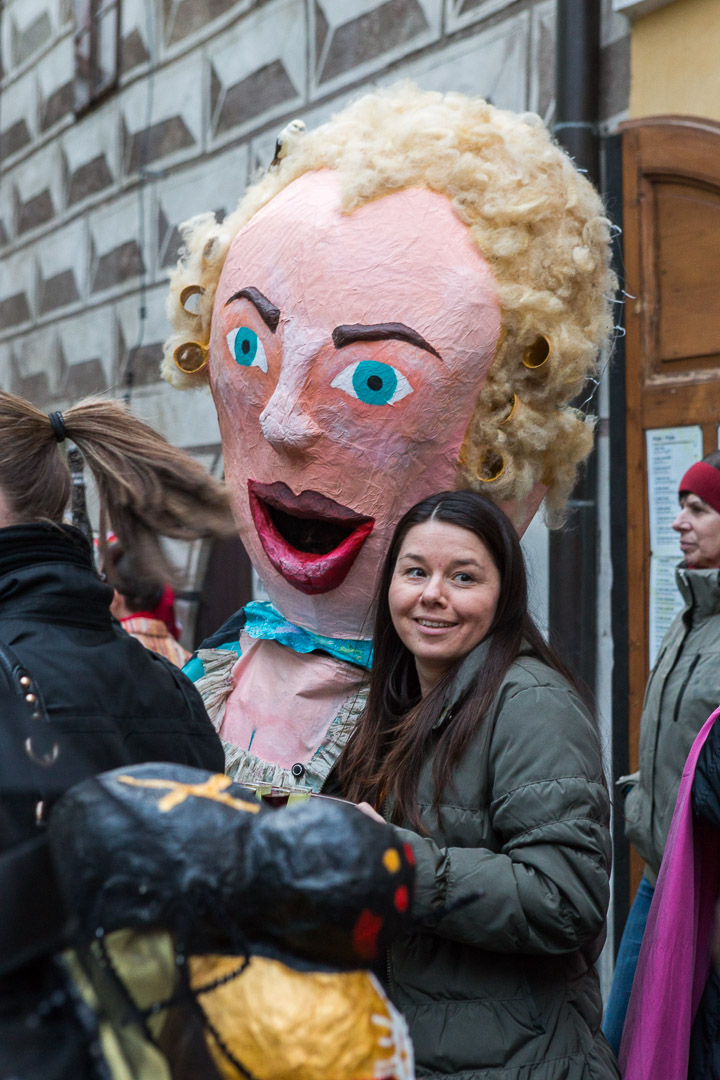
<point>269,314</point>
<point>346,334</point>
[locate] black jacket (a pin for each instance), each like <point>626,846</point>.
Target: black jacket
<point>705,1040</point>
<point>112,701</point>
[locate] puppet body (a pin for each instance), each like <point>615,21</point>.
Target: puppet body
<point>216,938</point>
<point>406,303</point>
<point>291,735</point>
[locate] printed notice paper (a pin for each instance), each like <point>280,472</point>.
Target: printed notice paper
<point>670,452</point>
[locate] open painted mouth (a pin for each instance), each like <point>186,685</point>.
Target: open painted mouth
<point>309,539</point>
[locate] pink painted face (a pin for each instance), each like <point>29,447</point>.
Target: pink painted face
<point>346,358</point>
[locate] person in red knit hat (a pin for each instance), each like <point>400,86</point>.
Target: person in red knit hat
<point>683,690</point>
<point>699,519</point>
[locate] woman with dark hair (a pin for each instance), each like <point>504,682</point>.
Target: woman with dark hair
<point>682,691</point>
<point>476,745</point>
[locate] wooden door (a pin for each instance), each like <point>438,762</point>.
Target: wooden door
<point>671,209</point>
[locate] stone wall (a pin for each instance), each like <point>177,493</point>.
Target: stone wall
<point>90,207</point>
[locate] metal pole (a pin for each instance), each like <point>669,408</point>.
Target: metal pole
<point>573,551</point>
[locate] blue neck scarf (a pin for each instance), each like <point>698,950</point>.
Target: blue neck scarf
<point>264,622</point>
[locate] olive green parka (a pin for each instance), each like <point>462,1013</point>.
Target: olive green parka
<point>682,691</point>
<point>502,986</point>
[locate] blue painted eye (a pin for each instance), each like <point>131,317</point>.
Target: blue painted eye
<point>373,382</point>
<point>247,348</point>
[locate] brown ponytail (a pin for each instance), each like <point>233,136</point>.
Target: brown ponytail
<point>147,487</point>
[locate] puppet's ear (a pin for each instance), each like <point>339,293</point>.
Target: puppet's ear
<point>521,512</point>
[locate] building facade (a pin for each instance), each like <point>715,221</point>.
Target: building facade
<point>119,119</point>
<point>666,403</point>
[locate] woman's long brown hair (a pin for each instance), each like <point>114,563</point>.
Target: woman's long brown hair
<point>147,487</point>
<point>396,732</point>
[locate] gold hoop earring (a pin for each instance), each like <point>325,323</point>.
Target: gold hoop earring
<point>190,357</point>
<point>538,353</point>
<point>496,463</point>
<point>513,410</point>
<point>187,294</point>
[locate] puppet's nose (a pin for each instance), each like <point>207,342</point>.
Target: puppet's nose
<point>286,425</point>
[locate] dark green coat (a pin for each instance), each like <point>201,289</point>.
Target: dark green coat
<point>682,691</point>
<point>504,987</point>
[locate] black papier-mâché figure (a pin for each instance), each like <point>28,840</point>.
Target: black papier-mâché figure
<point>215,936</point>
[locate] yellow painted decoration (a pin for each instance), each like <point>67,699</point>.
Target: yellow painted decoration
<point>283,1024</point>
<point>537,353</point>
<point>513,409</point>
<point>145,962</point>
<point>494,464</point>
<point>391,861</point>
<point>188,293</point>
<point>213,789</point>
<point>191,357</point>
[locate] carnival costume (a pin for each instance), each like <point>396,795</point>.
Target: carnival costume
<point>216,937</point>
<point>212,671</point>
<point>406,302</point>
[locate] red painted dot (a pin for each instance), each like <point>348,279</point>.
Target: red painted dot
<point>409,854</point>
<point>365,934</point>
<point>402,899</point>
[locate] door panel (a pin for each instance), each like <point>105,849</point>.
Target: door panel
<point>671,212</point>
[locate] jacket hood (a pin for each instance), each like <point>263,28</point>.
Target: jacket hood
<point>700,589</point>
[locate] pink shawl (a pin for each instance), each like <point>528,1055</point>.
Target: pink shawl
<point>674,959</point>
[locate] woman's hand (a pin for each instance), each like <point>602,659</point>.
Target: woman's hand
<point>367,809</point>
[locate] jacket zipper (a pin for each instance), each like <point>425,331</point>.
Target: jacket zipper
<point>683,688</point>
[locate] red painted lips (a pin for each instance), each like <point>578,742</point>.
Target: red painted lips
<point>309,539</point>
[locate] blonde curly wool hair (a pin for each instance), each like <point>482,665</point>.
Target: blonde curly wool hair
<point>537,221</point>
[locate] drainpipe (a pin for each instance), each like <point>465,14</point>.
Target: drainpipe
<point>78,505</point>
<point>573,550</point>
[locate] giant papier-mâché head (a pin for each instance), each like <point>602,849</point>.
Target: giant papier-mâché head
<point>406,302</point>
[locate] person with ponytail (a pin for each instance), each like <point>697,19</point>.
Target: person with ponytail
<point>111,700</point>
<point>476,746</point>
<point>78,695</point>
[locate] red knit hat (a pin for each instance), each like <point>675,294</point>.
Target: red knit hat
<point>703,480</point>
